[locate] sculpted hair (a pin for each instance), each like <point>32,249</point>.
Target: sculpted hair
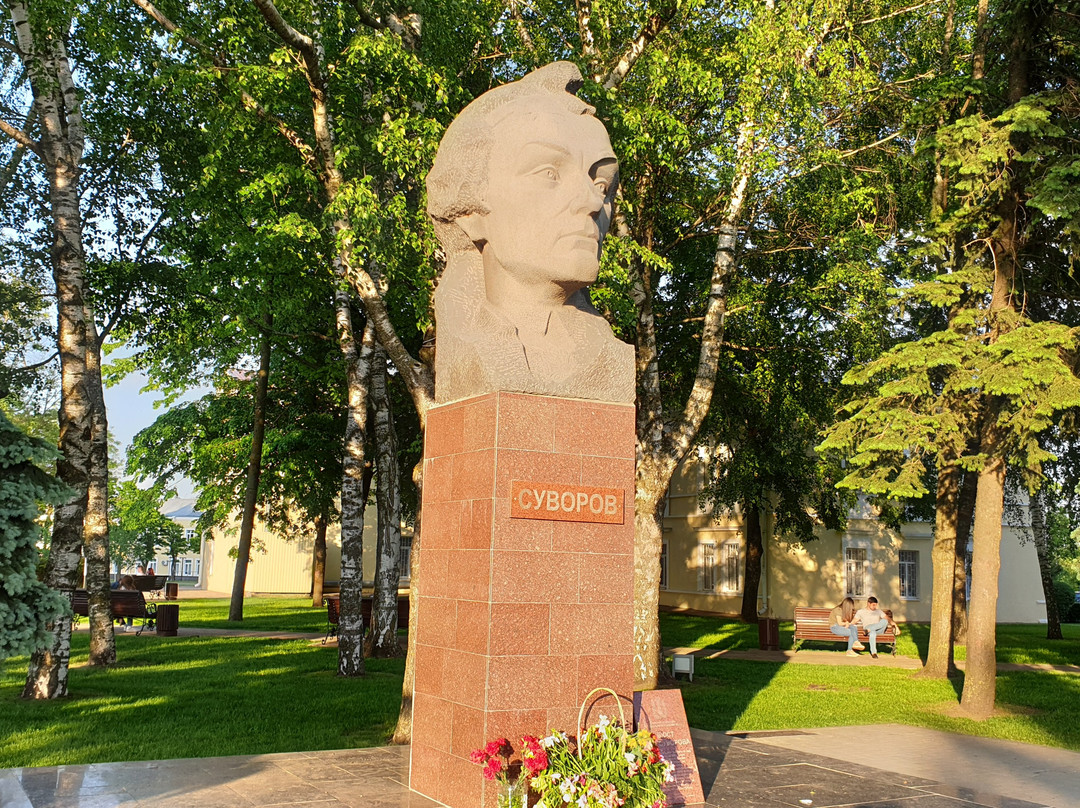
<point>457,181</point>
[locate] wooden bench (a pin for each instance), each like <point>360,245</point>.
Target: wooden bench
<point>812,623</point>
<point>333,612</point>
<point>123,603</point>
<point>152,584</point>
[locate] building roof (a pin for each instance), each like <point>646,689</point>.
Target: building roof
<point>178,508</point>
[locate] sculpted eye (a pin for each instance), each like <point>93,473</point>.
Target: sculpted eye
<point>603,186</point>
<point>547,173</point>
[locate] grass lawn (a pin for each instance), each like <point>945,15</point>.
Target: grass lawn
<point>260,614</point>
<point>1037,707</point>
<point>176,697</point>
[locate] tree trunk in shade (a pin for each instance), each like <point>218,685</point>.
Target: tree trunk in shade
<point>251,491</point>
<point>754,551</point>
<point>1046,570</point>
<point>939,655</point>
<point>318,564</point>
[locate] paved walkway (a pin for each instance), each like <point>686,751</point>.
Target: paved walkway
<point>916,768</point>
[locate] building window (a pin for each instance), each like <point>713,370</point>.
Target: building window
<point>663,565</point>
<point>707,568</point>
<point>909,574</point>
<point>856,572</point>
<point>730,567</point>
<point>405,556</point>
<point>198,567</point>
<point>189,533</point>
<point>187,567</point>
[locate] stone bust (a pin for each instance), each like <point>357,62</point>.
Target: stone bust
<point>521,197</point>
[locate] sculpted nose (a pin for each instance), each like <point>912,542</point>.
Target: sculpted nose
<point>589,198</point>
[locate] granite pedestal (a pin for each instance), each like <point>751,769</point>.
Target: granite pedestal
<point>525,595</point>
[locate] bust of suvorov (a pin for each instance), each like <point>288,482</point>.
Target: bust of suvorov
<point>521,196</point>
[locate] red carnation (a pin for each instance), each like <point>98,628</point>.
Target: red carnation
<point>493,768</point>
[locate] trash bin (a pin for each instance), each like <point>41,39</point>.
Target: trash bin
<point>769,634</point>
<point>168,619</point>
<point>172,590</point>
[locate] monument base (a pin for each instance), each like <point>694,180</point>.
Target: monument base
<point>525,594</point>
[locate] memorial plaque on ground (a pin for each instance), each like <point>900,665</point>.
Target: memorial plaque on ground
<point>566,503</point>
<point>662,713</point>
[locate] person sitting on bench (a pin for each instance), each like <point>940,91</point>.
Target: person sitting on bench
<point>873,620</point>
<point>128,583</point>
<point>842,623</point>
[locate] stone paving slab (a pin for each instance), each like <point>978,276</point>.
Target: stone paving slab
<point>793,769</point>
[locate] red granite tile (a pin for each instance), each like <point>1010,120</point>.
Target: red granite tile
<point>430,662</point>
<point>519,534</point>
<point>473,475</point>
<point>425,764</point>
<point>605,578</point>
<point>586,428</point>
<point>468,729</point>
<point>590,537</point>
<point>480,419</point>
<point>430,725</point>
<point>468,573</point>
<point>609,472</point>
<point>615,672</point>
<point>438,473</point>
<point>563,719</point>
<point>475,516</point>
<point>444,433</point>
<point>563,631</point>
<point>512,724</point>
<point>515,681</point>
<point>526,422</point>
<point>519,628</point>
<point>434,580</point>
<point>464,678</point>
<point>435,622</point>
<point>564,681</point>
<point>534,467</point>
<point>529,577</point>
<point>461,783</point>
<point>442,525</point>
<point>605,629</point>
<point>472,626</point>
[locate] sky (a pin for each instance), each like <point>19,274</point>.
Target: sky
<point>130,411</point>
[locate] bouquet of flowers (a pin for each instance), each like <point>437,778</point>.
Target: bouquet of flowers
<point>607,766</point>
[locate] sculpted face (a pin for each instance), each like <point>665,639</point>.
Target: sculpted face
<point>549,177</point>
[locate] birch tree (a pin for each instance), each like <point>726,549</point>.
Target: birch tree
<point>54,134</point>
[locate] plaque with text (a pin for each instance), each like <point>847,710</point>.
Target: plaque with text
<point>661,712</point>
<point>566,503</point>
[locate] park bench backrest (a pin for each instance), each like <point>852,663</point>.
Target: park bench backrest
<point>812,623</point>
<point>150,583</point>
<point>124,603</point>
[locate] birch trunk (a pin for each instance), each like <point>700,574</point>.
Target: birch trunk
<point>60,148</point>
<point>318,562</point>
<point>96,518</point>
<point>382,639</point>
<point>251,491</point>
<point>353,493</point>
<point>1046,571</point>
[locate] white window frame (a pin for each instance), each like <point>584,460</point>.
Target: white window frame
<point>911,576</point>
<point>849,564</point>
<point>187,567</point>
<point>664,565</point>
<point>731,567</point>
<point>189,533</point>
<point>405,556</point>
<point>707,566</point>
<point>198,567</point>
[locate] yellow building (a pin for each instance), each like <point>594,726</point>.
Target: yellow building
<point>284,566</point>
<point>702,564</point>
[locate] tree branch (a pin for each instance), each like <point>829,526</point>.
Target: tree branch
<point>653,26</point>
<point>249,101</point>
<point>21,137</point>
<point>289,35</point>
<point>10,46</point>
